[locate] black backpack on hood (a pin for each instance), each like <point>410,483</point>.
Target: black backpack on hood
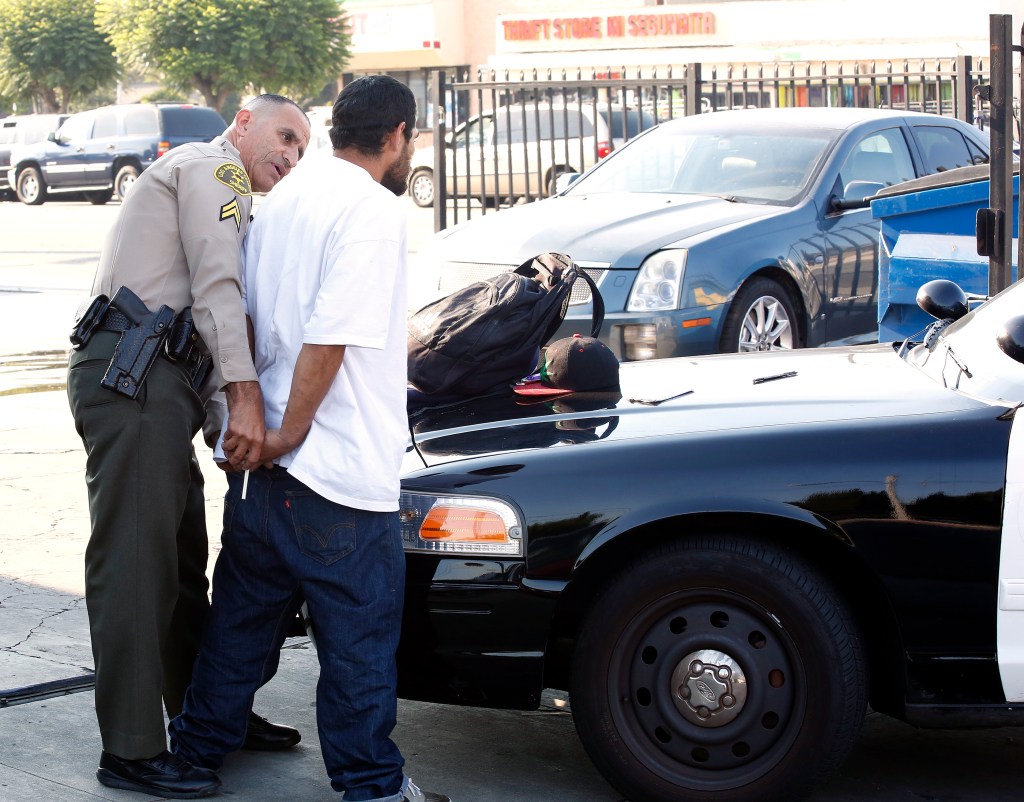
<point>488,335</point>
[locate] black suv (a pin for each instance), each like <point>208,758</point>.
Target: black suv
<point>102,151</point>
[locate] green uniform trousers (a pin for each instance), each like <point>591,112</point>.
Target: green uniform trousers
<point>145,565</point>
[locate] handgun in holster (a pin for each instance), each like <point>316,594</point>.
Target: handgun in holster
<point>185,347</point>
<point>140,344</point>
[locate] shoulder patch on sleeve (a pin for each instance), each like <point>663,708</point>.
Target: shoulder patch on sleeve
<point>230,211</point>
<point>233,176</point>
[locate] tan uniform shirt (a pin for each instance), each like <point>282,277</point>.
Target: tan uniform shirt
<point>178,241</point>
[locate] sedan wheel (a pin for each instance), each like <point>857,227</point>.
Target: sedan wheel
<point>421,188</point>
<point>720,669</point>
<point>761,318</point>
<point>30,188</point>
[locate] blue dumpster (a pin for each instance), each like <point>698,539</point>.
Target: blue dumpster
<point>928,232</point>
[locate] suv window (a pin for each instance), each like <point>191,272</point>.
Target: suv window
<point>141,122</point>
<point>106,125</point>
<point>76,127</point>
<point>191,121</point>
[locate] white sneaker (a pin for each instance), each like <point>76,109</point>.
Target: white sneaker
<point>414,794</point>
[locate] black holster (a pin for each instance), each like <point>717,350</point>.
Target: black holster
<point>141,342</point>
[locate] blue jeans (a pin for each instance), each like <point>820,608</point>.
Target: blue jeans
<point>282,544</point>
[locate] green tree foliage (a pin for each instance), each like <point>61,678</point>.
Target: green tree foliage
<point>218,47</point>
<point>53,52</point>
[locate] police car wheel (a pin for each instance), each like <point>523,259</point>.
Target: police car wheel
<point>718,668</point>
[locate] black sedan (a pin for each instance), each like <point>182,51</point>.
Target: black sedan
<point>725,565</point>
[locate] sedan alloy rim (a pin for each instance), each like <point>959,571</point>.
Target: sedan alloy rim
<point>766,326</point>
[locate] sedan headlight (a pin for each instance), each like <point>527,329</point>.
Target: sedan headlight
<point>459,525</point>
<point>658,283</point>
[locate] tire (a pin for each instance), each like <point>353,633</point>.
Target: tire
<point>553,175</point>
<point>762,317</point>
<point>124,180</point>
<point>421,188</point>
<point>754,630</point>
<point>31,189</point>
<point>99,197</point>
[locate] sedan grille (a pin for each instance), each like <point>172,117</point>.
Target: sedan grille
<point>455,275</point>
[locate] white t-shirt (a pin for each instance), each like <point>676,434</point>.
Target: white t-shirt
<point>325,263</point>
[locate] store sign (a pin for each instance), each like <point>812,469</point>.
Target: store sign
<point>610,30</point>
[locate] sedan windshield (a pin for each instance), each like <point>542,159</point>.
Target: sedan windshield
<point>772,165</point>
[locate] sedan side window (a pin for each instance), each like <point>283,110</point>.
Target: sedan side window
<point>881,158</point>
<point>943,148</point>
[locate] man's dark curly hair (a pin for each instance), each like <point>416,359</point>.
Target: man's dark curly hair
<point>368,110</point>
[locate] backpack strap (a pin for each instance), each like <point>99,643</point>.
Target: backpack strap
<point>549,269</point>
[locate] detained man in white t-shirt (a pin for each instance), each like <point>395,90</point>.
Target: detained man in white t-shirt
<point>325,279</point>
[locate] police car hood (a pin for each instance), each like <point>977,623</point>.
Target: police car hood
<point>826,387</point>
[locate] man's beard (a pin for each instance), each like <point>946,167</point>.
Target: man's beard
<point>396,178</point>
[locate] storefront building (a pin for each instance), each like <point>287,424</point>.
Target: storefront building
<point>410,39</point>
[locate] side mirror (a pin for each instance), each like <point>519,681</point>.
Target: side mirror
<point>1011,338</point>
<point>943,299</point>
<point>856,195</point>
<point>52,137</point>
<point>449,139</point>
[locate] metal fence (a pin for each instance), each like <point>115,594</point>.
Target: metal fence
<point>506,138</point>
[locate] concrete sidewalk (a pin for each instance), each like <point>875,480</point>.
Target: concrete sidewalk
<point>49,749</point>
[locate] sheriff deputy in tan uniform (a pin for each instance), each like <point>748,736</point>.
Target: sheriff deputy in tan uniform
<point>177,243</point>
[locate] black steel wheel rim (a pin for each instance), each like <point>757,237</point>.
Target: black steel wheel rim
<point>648,710</point>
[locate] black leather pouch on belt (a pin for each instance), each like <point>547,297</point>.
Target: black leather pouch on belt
<point>140,344</point>
<point>90,313</point>
<point>185,347</point>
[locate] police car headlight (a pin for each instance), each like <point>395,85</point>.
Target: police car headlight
<point>459,525</point>
<point>658,282</point>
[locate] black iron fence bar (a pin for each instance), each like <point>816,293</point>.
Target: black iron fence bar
<point>622,97</point>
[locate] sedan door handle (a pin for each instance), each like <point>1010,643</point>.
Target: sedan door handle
<point>111,146</point>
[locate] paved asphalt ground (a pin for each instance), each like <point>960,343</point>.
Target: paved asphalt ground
<point>49,748</point>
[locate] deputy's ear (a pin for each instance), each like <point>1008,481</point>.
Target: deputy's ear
<point>242,119</point>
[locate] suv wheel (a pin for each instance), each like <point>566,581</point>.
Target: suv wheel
<point>31,189</point>
<point>124,181</point>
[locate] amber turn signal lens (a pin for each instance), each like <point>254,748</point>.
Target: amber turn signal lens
<point>463,524</point>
